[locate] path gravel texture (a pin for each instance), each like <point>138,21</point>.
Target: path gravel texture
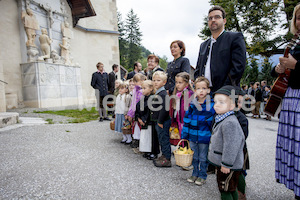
<point>87,161</point>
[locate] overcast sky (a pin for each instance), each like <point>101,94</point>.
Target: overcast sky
<point>163,21</point>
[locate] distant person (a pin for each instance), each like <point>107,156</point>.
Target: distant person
<point>153,66</point>
<point>263,84</point>
<point>222,58</point>
<point>257,94</point>
<point>137,68</point>
<point>265,97</point>
<point>179,64</point>
<point>100,84</point>
<point>112,77</point>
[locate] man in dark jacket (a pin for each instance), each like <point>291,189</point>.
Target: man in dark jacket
<point>137,68</point>
<point>222,58</point>
<point>100,84</point>
<point>112,77</point>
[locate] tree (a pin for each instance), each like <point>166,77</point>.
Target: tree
<point>265,71</point>
<point>253,72</point>
<point>133,37</point>
<point>122,41</point>
<point>259,20</point>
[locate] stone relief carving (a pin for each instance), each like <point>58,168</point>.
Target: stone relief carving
<point>30,25</point>
<point>45,43</point>
<point>65,54</point>
<point>32,53</point>
<point>47,50</point>
<point>69,76</point>
<point>55,57</point>
<point>50,76</point>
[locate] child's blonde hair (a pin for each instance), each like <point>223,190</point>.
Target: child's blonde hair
<point>124,85</point>
<point>161,75</point>
<point>139,77</point>
<point>150,85</point>
<point>120,83</point>
<point>201,79</point>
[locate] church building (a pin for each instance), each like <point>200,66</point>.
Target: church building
<point>49,51</point>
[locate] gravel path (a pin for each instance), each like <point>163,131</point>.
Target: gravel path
<point>87,161</point>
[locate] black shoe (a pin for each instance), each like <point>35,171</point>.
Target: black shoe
<point>146,155</point>
<point>106,118</point>
<point>152,157</point>
<point>101,119</point>
<point>127,143</point>
<point>123,142</point>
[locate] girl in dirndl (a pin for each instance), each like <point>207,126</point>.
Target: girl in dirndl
<point>287,164</point>
<point>183,91</point>
<point>121,110</point>
<point>142,115</point>
<point>136,96</point>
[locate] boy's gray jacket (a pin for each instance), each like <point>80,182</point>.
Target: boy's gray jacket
<point>226,144</point>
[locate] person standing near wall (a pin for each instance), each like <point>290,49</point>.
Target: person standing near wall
<point>100,84</point>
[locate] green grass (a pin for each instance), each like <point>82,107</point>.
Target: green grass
<point>79,116</point>
<point>50,121</point>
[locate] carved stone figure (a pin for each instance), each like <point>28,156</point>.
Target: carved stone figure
<point>45,42</point>
<point>32,53</point>
<point>55,57</point>
<point>65,53</point>
<point>30,25</point>
<point>66,30</point>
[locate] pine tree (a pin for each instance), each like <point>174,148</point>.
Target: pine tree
<point>133,37</point>
<point>253,73</point>
<point>122,41</point>
<point>266,71</point>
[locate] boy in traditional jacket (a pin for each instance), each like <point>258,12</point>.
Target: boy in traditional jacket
<point>227,143</point>
<point>161,119</point>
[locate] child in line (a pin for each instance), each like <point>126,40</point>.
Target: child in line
<point>178,106</point>
<point>117,86</point>
<point>226,144</point>
<point>244,125</point>
<point>142,114</point>
<point>162,121</point>
<point>121,110</point>
<point>131,87</point>
<point>197,129</point>
<point>136,96</point>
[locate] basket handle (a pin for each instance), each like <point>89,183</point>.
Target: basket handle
<point>177,147</point>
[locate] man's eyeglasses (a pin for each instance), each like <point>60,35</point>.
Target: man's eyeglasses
<point>212,17</point>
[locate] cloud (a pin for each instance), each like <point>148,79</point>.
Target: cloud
<point>165,21</point>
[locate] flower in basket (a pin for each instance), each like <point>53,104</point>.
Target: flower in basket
<point>184,151</point>
<point>127,124</point>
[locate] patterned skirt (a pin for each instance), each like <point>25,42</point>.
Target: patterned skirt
<point>287,165</point>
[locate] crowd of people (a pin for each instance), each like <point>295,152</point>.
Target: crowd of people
<point>208,111</point>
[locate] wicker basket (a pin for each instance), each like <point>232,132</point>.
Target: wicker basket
<point>112,125</point>
<point>183,160</point>
<point>127,130</point>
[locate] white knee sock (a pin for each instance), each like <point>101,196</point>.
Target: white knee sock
<point>124,138</point>
<point>129,138</point>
